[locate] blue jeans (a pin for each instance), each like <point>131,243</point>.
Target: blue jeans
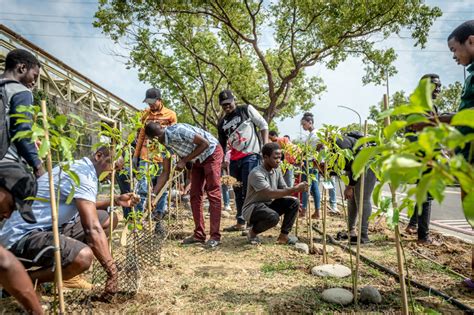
<point>313,189</point>
<point>142,191</point>
<point>289,177</point>
<point>225,195</point>
<point>332,193</point>
<point>240,169</point>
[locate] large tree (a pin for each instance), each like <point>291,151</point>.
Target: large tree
<point>258,49</point>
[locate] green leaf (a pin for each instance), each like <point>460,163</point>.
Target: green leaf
<point>104,175</point>
<point>393,127</point>
<point>37,199</point>
<point>70,197</point>
<point>422,191</point>
<point>60,121</point>
<point>408,109</point>
<point>421,97</point>
<point>43,150</point>
<point>362,159</point>
<point>377,192</point>
<point>468,207</point>
<point>464,118</point>
<point>345,179</point>
<point>75,178</point>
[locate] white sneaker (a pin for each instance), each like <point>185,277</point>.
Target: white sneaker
<point>227,208</point>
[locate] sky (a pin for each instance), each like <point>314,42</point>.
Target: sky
<point>63,28</point>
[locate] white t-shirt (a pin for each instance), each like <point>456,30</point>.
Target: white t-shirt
<point>15,227</point>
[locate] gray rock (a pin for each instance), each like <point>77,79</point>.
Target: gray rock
<point>318,249</point>
<point>302,248</point>
<point>370,294</point>
<point>337,296</point>
<point>332,270</point>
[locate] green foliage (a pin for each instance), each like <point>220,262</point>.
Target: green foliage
<point>260,50</point>
<point>63,138</point>
<point>429,162</point>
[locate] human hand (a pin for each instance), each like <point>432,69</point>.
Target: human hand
<point>127,200</point>
<point>349,193</point>
<point>301,187</point>
<point>39,171</point>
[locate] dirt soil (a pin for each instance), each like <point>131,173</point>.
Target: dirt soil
<point>239,277</point>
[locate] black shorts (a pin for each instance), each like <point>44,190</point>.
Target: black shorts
<point>71,240</point>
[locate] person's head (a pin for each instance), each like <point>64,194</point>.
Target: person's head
<point>23,67</point>
<point>154,130</point>
<point>227,101</point>
<point>436,81</point>
<point>271,153</point>
<point>461,43</point>
<point>16,184</point>
<point>287,137</point>
<point>273,135</point>
<point>307,122</point>
<point>102,161</point>
<point>153,99</point>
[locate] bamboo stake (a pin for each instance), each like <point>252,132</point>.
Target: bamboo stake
<point>324,209</point>
<point>359,225</point>
<point>112,193</point>
<point>148,198</point>
<point>346,218</point>
<point>54,215</point>
<point>401,267</point>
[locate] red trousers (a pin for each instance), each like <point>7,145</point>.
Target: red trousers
<point>207,176</point>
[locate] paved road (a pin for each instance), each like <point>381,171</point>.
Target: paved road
<point>448,214</point>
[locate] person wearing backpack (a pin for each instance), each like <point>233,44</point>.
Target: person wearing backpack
<point>21,74</point>
<point>352,191</point>
<point>238,128</point>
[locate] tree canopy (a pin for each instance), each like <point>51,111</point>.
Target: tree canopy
<point>261,50</point>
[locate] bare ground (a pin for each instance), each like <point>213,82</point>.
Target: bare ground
<point>240,278</point>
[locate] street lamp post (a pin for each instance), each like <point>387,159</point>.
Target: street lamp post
<point>353,110</point>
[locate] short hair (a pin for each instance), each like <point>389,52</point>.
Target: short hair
<point>273,133</point>
<point>19,56</point>
<point>105,150</point>
<point>151,129</point>
<point>462,32</point>
<point>308,117</point>
<point>269,148</point>
<point>430,75</point>
<point>287,136</point>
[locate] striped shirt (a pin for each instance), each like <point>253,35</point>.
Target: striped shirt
<point>179,140</point>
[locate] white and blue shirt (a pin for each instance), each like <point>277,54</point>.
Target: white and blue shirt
<point>179,140</point>
<point>15,227</point>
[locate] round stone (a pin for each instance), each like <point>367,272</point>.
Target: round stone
<point>302,248</point>
<point>331,270</point>
<point>337,296</point>
<point>370,294</point>
<point>318,249</point>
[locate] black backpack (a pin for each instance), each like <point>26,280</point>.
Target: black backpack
<point>4,129</point>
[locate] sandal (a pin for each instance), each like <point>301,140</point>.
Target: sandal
<point>254,240</point>
<point>191,240</point>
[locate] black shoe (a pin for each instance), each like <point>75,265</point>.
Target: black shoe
<point>340,236</point>
<point>191,240</point>
<point>363,240</point>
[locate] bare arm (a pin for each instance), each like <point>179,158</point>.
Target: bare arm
<point>280,193</point>
<point>15,280</point>
<point>97,240</point>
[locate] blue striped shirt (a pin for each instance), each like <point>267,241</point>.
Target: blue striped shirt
<point>179,140</point>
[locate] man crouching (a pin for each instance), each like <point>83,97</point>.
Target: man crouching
<point>268,198</point>
<point>81,224</point>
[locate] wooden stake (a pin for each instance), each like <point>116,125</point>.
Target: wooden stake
<point>323,213</point>
<point>148,198</point>
<point>58,276</point>
<point>346,218</point>
<point>360,208</point>
<point>112,193</point>
<point>401,265</point>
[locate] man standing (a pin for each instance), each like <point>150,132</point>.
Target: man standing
<point>195,145</point>
<point>157,113</point>
<point>268,198</point>
<point>287,147</point>
<point>16,184</point>
<point>238,128</point>
<point>21,73</point>
<point>423,219</point>
<point>81,224</point>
